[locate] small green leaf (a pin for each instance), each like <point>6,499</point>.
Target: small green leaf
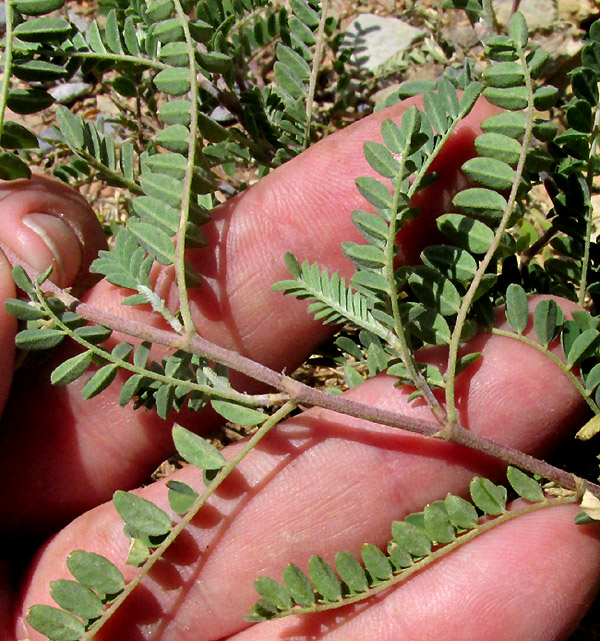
<point>364,256</point>
<point>545,97</point>
<point>487,496</point>
<point>16,136</point>
<point>376,562</point>
<point>23,310</point>
<point>298,586</point>
<point>181,496</point>
<point>504,74</point>
<point>112,32</point>
<point>517,29</point>
<point>513,98</point>
<point>547,318</point>
<point>411,538</point>
<point>452,262</point>
<point>509,124</point>
<point>351,572</point>
<point>374,191</point>
<point>517,308</point>
<point>437,523</point>
<point>582,346</point>
<point>274,592</point>
<point>55,624</point>
<point>215,61</point>
<point>94,333</point>
<point>176,112</point>
<point>499,147</point>
<point>155,240</point>
<point>30,100</point>
<point>524,485</point>
<point>489,172</point>
<point>238,414</point>
<point>324,579</point>
<point>71,127</point>
<point>211,130</point>
<point>174,138</point>
<point>12,167</point>
<point>478,201</point>
<point>175,81</point>
<point>435,291</point>
<point>71,369</point>
<point>592,380</point>
<point>39,71</point>
<point>99,381</point>
<point>381,159</point>
<point>43,29</point>
<point>38,7</point>
<point>140,514</point>
<point>169,30</point>
<point>461,513</point>
<point>76,598</point>
<point>138,553</point>
<point>38,339</point>
<point>163,187</point>
<point>196,450</point>
<point>96,572</point>
<point>160,10</point>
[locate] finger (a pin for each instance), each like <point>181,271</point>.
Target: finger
<point>46,224</point>
<point>307,488</point>
<point>532,579</point>
<point>303,206</point>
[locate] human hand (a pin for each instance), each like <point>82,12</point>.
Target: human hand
<point>319,483</point>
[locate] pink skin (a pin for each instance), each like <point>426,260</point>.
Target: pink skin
<point>311,483</point>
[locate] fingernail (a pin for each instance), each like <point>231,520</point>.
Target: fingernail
<point>62,244</point>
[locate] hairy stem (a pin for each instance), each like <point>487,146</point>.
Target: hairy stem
<point>8,59</point>
<point>467,301</point>
<point>316,65</point>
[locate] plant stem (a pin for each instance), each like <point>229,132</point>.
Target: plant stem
<point>159,552</point>
<point>588,231</point>
<point>184,305</point>
<point>312,83</point>
<point>8,59</point>
<point>483,265</point>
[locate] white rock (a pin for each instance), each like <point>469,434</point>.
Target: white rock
<point>377,39</point>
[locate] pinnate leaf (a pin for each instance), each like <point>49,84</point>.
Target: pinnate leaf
<point>141,515</point>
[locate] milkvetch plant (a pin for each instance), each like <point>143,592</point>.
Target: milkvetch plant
<point>174,62</point>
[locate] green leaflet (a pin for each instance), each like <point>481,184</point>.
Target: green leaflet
<point>181,496</point>
<point>96,572</point>
<point>55,624</point>
<point>38,7</point>
<point>16,136</point>
<point>141,515</point>
<point>77,599</point>
<point>517,308</point>
<point>196,450</point>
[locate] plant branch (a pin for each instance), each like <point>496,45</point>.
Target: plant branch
<point>159,552</point>
<point>8,59</point>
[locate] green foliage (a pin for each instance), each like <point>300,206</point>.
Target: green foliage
<point>193,112</point>
<point>416,540</point>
